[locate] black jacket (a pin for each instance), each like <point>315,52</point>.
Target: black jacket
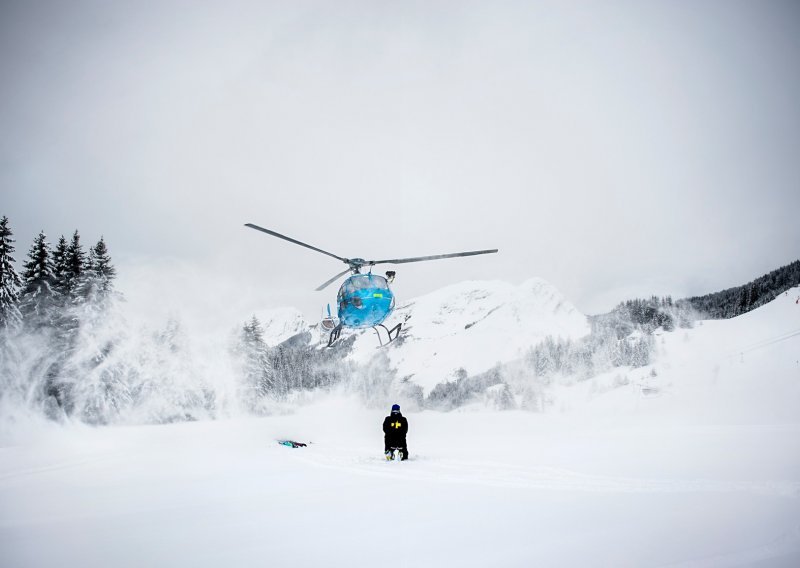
<point>395,427</point>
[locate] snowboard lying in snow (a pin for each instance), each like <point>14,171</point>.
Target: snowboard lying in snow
<point>292,443</point>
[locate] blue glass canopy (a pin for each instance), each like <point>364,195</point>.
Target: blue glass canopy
<point>364,300</point>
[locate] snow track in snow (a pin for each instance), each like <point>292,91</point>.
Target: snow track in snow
<point>537,477</point>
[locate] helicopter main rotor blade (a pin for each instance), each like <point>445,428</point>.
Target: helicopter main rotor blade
<point>432,257</point>
<point>331,281</point>
<point>291,240</point>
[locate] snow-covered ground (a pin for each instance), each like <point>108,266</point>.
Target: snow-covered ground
<point>697,464</point>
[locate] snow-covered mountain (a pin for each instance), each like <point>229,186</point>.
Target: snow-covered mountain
<point>466,328</point>
<point>740,370</point>
<point>280,324</point>
<point>473,326</point>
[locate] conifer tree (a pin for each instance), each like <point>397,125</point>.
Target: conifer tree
<point>60,266</point>
<point>69,260</point>
<point>101,269</point>
<point>94,284</point>
<point>38,295</point>
<point>9,279</point>
<point>101,388</point>
<point>74,264</point>
<point>258,379</point>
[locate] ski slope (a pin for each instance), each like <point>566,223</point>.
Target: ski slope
<point>697,466</point>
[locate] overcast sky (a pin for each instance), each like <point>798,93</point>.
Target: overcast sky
<point>612,148</point>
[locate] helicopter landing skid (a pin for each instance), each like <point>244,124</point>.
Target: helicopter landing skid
<point>391,333</point>
<point>335,333</point>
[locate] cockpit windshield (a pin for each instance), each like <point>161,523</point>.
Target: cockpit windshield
<point>360,282</point>
<point>364,282</point>
<point>378,282</point>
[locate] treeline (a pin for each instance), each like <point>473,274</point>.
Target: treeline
<point>52,281</point>
<point>653,313</point>
<point>645,315</point>
<point>60,298</point>
<point>623,337</point>
<point>741,299</point>
<point>590,355</point>
<point>272,373</point>
<point>491,387</point>
<point>279,373</point>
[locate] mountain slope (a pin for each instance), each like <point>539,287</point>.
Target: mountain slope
<point>742,370</point>
<point>473,326</point>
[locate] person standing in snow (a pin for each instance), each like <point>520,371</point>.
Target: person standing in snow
<point>395,428</point>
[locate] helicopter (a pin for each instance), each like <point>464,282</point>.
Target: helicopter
<point>364,300</point>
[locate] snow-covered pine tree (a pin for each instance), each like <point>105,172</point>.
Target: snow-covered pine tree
<point>37,300</point>
<point>75,264</point>
<point>10,317</point>
<point>101,387</point>
<point>258,379</point>
<point>166,382</point>
<point>37,345</point>
<point>60,267</point>
<point>95,284</point>
<point>69,260</point>
<point>69,269</point>
<point>102,268</point>
<point>253,332</point>
<point>10,282</point>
